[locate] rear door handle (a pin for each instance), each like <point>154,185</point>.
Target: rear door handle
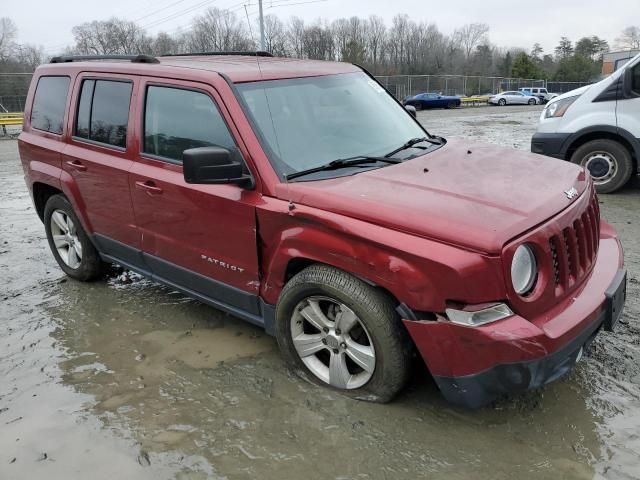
<point>149,186</point>
<point>75,164</point>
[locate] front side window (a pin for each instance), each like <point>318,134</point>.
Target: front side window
<point>176,120</point>
<point>49,104</point>
<point>635,79</point>
<point>307,122</point>
<point>103,112</point>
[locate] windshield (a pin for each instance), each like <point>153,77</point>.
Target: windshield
<point>307,122</point>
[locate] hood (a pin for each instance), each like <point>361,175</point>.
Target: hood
<point>472,195</point>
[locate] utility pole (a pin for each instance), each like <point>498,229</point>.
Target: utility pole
<point>262,47</point>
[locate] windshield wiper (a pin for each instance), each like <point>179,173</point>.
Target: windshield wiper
<point>342,163</point>
<point>415,141</point>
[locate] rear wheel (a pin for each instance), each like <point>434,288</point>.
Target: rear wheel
<point>342,333</point>
<point>68,241</point>
<point>502,102</point>
<point>608,162</point>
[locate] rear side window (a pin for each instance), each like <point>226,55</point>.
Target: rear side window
<point>103,112</point>
<point>49,104</point>
<point>176,120</point>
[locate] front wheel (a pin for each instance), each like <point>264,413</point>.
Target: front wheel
<point>451,105</point>
<point>502,102</point>
<point>532,101</point>
<point>68,241</point>
<point>342,333</point>
<point>608,162</point>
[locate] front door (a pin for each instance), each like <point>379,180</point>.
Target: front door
<point>628,109</point>
<point>98,157</point>
<point>199,237</point>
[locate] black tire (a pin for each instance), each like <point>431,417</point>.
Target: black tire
<point>451,105</point>
<point>533,101</point>
<point>502,102</point>
<point>418,106</point>
<point>375,310</point>
<point>618,154</point>
<point>90,266</point>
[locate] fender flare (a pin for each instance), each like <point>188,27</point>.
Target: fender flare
<point>609,129</point>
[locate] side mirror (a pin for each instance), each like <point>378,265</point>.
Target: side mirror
<point>213,165</point>
<point>412,110</point>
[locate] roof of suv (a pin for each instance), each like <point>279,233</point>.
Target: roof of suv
<point>239,68</point>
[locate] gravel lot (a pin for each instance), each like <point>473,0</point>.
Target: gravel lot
<point>126,379</point>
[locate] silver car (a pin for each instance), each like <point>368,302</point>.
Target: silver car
<point>513,98</point>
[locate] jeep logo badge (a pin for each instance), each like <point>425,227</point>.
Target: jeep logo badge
<point>571,193</point>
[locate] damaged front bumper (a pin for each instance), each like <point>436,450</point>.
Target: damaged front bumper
<point>474,366</point>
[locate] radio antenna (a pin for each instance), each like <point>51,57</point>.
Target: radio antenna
<point>266,98</point>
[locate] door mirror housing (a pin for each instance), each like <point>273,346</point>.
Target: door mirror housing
<point>412,110</point>
<point>213,165</point>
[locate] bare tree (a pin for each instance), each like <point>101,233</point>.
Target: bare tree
<point>275,36</point>
<point>376,33</point>
<point>113,36</point>
<point>629,39</point>
<point>218,30</point>
<point>318,42</point>
<point>295,37</point>
<point>8,33</point>
<point>470,36</point>
<point>164,44</point>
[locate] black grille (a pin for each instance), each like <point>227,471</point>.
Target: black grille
<point>574,251</point>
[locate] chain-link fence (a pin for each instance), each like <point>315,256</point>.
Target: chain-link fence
<point>407,85</point>
<point>403,86</point>
<point>13,91</point>
<point>564,87</point>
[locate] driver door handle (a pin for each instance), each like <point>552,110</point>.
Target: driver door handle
<point>77,165</point>
<point>149,186</point>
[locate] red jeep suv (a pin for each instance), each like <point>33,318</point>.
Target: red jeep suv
<point>302,197</point>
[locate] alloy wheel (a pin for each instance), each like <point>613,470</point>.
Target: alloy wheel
<point>333,342</point>
<point>65,239</point>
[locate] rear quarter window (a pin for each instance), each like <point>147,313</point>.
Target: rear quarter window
<point>49,104</point>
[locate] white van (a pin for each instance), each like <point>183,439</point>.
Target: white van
<point>597,126</point>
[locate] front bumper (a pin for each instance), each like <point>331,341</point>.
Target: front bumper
<point>550,144</point>
<point>474,366</point>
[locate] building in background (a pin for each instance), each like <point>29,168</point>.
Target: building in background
<point>612,61</point>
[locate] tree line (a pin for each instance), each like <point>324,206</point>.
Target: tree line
<point>404,46</point>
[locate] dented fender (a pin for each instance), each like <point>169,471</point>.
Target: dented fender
<point>419,272</point>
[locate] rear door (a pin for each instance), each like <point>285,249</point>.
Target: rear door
<point>198,237</point>
<point>98,157</point>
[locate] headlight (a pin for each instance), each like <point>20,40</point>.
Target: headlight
<point>524,270</point>
<point>559,107</point>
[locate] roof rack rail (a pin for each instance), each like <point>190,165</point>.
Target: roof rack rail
<point>80,58</point>
<point>258,53</point>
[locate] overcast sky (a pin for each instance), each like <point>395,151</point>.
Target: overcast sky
<point>512,24</point>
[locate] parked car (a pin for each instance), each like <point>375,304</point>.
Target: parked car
<point>597,127</point>
<point>302,197</point>
<point>432,100</point>
<point>541,93</point>
<point>513,98</point>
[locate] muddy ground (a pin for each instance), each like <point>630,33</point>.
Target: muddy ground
<point>124,379</point>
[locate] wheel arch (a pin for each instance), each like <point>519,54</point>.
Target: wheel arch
<point>42,192</point>
<point>604,132</point>
<point>297,264</point>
